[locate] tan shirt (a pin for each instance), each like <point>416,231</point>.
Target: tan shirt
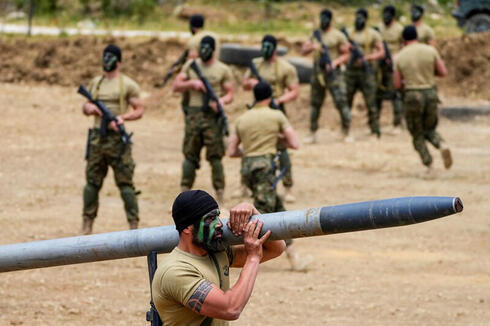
<point>367,39</point>
<point>280,74</point>
<point>195,41</point>
<point>392,35</point>
<point>416,62</point>
<point>109,92</point>
<point>334,40</point>
<point>258,129</point>
<point>217,74</point>
<point>425,33</point>
<point>177,277</point>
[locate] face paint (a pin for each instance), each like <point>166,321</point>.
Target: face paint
<point>360,22</point>
<point>205,52</point>
<point>387,17</point>
<point>109,62</point>
<point>209,235</point>
<point>324,21</point>
<point>416,14</point>
<point>268,49</point>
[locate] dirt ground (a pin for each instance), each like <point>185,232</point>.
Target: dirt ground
<point>435,273</point>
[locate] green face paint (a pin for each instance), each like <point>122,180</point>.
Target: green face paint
<point>210,232</point>
<point>109,61</point>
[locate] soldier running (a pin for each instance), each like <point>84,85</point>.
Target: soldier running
<point>118,92</point>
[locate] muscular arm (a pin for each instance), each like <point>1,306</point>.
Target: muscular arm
<point>290,95</point>
<point>291,138</point>
<point>344,56</point>
<point>377,54</point>
<point>137,109</point>
<point>249,83</point>
<point>233,150</point>
<point>182,83</point>
<point>307,47</point>
<point>398,79</point>
<point>440,68</point>
<point>228,97</point>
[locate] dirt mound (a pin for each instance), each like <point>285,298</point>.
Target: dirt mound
<point>468,62</point>
<point>71,61</point>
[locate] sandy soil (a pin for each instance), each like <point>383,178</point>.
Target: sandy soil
<point>436,273</point>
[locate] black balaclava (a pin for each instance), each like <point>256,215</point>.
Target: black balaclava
<point>269,44</point>
<point>389,13</point>
<point>409,33</point>
<point>190,206</point>
<point>416,12</point>
<point>196,21</point>
<point>325,19</point>
<point>206,48</point>
<point>361,19</point>
<point>110,57</point>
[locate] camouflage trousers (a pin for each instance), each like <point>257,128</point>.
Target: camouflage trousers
<point>319,87</point>
<point>202,130</point>
<point>258,176</point>
<point>421,114</point>
<point>386,91</point>
<point>284,159</point>
<point>102,153</point>
<point>357,78</point>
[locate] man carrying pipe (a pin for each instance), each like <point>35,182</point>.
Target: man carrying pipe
<point>191,286</point>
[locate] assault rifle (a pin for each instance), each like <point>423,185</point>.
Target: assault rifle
<point>107,117</point>
<point>253,69</point>
<point>211,95</point>
<point>325,60</point>
<point>388,59</point>
<point>356,52</point>
<point>175,68</point>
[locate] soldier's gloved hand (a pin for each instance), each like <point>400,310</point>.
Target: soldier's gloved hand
<point>239,217</point>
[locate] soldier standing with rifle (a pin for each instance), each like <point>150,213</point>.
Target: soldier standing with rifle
<point>366,50</point>
<point>117,92</point>
<point>391,32</point>
<point>205,122</point>
<point>283,79</point>
<point>425,32</point>
<point>415,68</point>
<point>257,130</point>
<point>330,43</point>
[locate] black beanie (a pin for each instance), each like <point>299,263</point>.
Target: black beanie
<point>363,12</point>
<point>418,7</point>
<point>271,39</point>
<point>390,8</point>
<point>209,40</point>
<point>190,206</point>
<point>326,12</point>
<point>197,21</point>
<point>114,49</point>
<point>409,33</point>
<point>262,91</point>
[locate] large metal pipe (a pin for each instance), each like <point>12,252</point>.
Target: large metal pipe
<point>284,225</point>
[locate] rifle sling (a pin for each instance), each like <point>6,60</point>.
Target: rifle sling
<point>95,93</point>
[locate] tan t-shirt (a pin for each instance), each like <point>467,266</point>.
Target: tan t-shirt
<point>392,35</point>
<point>416,62</point>
<point>217,74</point>
<point>177,277</point>
<point>258,129</point>
<point>280,74</point>
<point>334,40</point>
<point>366,39</point>
<point>425,33</point>
<point>195,41</point>
<point>109,93</point>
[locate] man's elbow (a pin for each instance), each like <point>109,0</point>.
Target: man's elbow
<point>232,314</point>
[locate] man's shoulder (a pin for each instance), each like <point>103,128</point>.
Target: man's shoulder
<point>397,27</point>
<point>285,63</point>
<point>128,80</point>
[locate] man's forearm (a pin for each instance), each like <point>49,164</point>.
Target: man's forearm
<point>290,95</point>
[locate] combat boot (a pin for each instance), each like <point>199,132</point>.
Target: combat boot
<point>87,224</point>
<point>311,139</point>
<point>446,156</point>
<point>288,196</point>
<point>297,264</point>
<point>220,196</point>
<point>346,137</point>
<point>133,224</point>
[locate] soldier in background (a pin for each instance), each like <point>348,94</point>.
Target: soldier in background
<point>201,124</point>
<point>258,130</point>
<point>196,24</point>
<point>391,32</point>
<point>425,33</point>
<point>338,48</point>
<point>416,66</point>
<point>283,78</point>
<point>361,74</point>
<point>118,92</point>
